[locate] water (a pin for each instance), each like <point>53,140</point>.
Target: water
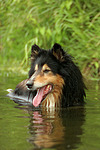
<point>74,128</point>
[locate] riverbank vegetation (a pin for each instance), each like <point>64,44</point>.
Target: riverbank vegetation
<point>72,23</point>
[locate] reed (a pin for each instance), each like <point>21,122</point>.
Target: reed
<point>72,23</point>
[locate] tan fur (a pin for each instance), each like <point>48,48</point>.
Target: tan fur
<point>45,67</point>
<point>42,79</point>
<point>36,67</point>
<point>53,99</point>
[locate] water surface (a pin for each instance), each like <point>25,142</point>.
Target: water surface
<point>25,128</point>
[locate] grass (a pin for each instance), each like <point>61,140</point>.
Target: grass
<point>72,23</point>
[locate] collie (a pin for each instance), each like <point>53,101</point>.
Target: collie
<point>54,80</point>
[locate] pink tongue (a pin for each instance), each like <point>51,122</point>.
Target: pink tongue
<point>39,96</point>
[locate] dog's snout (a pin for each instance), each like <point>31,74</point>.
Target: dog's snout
<point>29,84</point>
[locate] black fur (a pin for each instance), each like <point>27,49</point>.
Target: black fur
<point>60,63</point>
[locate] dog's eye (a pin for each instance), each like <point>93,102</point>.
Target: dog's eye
<point>46,70</point>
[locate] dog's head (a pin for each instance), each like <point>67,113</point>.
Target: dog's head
<point>44,75</point>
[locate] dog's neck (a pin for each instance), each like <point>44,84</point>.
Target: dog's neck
<point>53,99</point>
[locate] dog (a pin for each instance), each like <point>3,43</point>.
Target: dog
<point>54,80</point>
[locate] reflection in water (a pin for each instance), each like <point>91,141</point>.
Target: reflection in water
<point>63,129</point>
<point>60,128</point>
<point>45,133</point>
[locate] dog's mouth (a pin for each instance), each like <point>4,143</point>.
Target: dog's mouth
<point>42,94</point>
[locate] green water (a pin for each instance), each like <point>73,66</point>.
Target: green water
<point>74,128</point>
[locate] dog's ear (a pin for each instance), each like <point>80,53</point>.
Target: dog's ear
<point>34,51</point>
<point>58,52</point>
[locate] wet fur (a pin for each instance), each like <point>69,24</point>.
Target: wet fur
<point>67,80</point>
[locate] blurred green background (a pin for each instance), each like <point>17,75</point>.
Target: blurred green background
<point>75,24</point>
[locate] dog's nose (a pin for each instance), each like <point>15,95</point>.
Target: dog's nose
<point>29,84</point>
